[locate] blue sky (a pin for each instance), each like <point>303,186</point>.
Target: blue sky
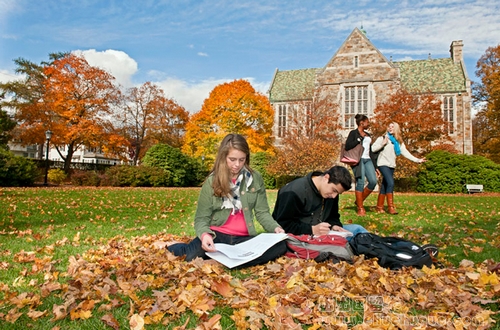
<point>189,46</point>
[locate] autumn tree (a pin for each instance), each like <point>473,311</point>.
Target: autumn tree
<point>311,141</point>
<point>72,99</point>
<point>148,118</point>
<point>486,93</point>
<point>421,121</point>
<point>233,107</point>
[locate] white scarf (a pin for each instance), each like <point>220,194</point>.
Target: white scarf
<point>232,200</point>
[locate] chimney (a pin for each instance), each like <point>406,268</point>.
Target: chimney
<point>456,49</point>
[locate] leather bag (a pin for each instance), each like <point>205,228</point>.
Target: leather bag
<point>351,157</point>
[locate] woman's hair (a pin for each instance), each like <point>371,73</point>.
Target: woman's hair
<point>397,132</point>
<point>221,172</point>
<point>359,118</point>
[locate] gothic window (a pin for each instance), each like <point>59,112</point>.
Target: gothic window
<point>449,113</point>
<point>356,61</point>
<point>356,101</point>
<point>281,120</point>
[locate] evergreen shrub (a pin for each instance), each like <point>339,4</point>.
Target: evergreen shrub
<point>445,172</point>
<point>16,171</point>
<point>183,171</point>
<point>135,176</point>
<point>259,161</point>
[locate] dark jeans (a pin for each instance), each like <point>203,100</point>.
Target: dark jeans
<point>194,249</point>
<point>387,186</point>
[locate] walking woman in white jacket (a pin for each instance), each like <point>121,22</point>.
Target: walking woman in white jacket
<point>390,146</point>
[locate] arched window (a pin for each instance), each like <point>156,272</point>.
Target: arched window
<point>356,101</point>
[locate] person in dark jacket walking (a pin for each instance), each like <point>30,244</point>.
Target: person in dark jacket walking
<point>365,168</point>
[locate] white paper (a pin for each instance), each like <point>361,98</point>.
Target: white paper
<point>340,233</point>
<point>235,255</point>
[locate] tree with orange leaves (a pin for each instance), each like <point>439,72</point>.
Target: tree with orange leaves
<point>233,107</point>
<point>311,141</point>
<point>72,99</point>
<point>422,125</point>
<point>148,118</point>
<point>486,124</point>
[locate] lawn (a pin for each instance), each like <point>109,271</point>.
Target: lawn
<point>94,258</point>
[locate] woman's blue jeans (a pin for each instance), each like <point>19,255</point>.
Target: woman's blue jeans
<point>387,186</point>
<point>368,171</point>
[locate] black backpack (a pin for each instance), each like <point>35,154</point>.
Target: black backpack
<point>391,252</point>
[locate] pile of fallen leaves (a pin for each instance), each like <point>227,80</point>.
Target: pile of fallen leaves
<point>159,288</point>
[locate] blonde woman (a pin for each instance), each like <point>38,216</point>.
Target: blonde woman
<point>390,146</point>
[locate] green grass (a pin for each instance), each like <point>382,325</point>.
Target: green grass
<point>55,223</point>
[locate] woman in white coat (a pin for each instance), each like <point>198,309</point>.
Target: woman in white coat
<point>390,146</point>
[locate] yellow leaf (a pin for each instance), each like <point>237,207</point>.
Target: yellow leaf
<point>80,314</point>
<point>272,302</point>
<point>486,279</point>
<point>362,273</point>
<point>291,282</point>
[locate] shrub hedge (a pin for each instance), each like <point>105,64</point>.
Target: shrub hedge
<point>16,171</point>
<point>135,176</point>
<point>445,172</point>
<point>182,170</point>
<point>259,161</point>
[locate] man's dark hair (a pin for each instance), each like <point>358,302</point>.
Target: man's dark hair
<point>339,174</point>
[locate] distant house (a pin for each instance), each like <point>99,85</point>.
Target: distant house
<point>359,76</point>
<point>81,155</point>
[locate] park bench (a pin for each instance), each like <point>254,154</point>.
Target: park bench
<point>474,188</point>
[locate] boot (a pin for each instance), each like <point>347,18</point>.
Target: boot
<point>380,203</point>
<point>359,203</point>
<point>366,193</point>
<point>390,203</point>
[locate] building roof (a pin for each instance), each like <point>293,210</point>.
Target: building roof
<point>434,75</point>
<point>293,85</point>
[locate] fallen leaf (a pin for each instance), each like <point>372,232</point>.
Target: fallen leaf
<point>136,322</point>
<point>110,320</point>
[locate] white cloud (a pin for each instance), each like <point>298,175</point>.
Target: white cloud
<point>116,62</point>
<point>6,76</point>
<point>202,54</point>
<point>190,95</point>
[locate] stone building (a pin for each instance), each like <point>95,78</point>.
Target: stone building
<point>359,75</point>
